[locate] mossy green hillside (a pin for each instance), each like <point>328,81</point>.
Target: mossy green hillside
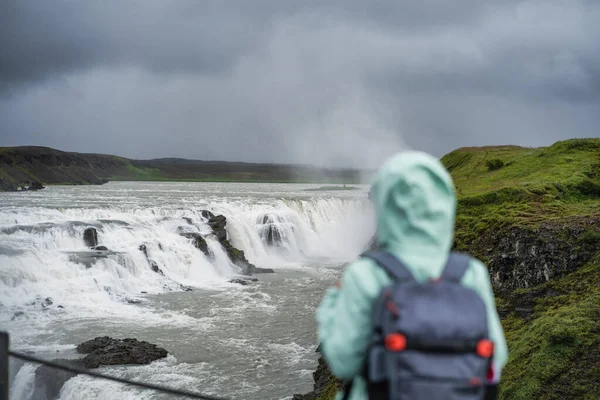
<point>532,185</point>
<point>555,352</point>
<point>564,166</point>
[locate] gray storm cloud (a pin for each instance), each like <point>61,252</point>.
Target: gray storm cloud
<point>336,83</point>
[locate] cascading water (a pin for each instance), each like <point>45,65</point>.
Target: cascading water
<point>146,229</point>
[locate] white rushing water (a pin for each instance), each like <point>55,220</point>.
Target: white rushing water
<point>49,302</point>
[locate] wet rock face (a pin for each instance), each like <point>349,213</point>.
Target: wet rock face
<point>270,231</point>
<point>218,224</point>
<point>153,265</point>
<point>90,237</point>
<point>109,351</point>
<point>523,257</point>
<point>49,381</point>
<point>198,241</point>
<point>324,381</point>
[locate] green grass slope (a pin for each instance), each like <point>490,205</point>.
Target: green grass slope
<point>500,186</point>
<point>554,194</point>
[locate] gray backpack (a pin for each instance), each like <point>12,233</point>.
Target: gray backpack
<point>430,340</point>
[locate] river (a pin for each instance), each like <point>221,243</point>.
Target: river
<point>243,342</point>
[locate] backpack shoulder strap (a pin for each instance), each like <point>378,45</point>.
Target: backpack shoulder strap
<point>390,264</point>
<point>456,267</point>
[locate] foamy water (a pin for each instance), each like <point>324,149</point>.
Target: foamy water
<point>252,342</point>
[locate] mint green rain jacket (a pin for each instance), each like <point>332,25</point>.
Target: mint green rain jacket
<point>415,206</point>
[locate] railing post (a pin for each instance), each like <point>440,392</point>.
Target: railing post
<point>3,366</point>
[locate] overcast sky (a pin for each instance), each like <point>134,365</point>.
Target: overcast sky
<point>334,82</point>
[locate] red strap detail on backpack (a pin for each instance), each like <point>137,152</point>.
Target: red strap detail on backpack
<point>393,308</point>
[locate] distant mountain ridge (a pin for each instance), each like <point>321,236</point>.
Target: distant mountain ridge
<point>27,165</point>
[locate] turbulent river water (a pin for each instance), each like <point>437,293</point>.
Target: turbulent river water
<point>244,342</point>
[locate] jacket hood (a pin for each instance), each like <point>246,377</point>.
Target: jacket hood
<point>415,204</point>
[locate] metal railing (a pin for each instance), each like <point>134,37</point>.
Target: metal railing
<point>5,353</point>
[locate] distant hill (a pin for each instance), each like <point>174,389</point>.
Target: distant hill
<point>21,166</point>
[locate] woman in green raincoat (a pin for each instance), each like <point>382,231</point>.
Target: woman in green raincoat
<point>415,206</point>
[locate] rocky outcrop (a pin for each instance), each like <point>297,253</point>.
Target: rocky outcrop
<point>199,242</point>
<point>218,224</point>
<point>243,281</point>
<point>49,381</point>
<point>109,351</point>
<point>29,186</point>
<point>523,257</point>
<point>35,185</point>
<point>90,237</point>
<point>325,384</point>
<point>153,265</point>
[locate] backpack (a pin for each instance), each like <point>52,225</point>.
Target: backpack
<point>430,340</point>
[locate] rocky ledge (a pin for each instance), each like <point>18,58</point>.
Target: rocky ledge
<point>100,351</point>
<point>325,384</point>
<point>218,224</point>
<point>109,351</point>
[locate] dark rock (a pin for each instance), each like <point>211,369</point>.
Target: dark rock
<point>186,288</point>
<point>142,292</point>
<point>47,302</point>
<point>35,185</point>
<point>28,186</point>
<point>323,379</point>
<point>243,281</point>
<point>103,248</point>
<point>188,220</point>
<point>133,301</point>
<point>90,237</point>
<point>153,265</point>
<point>144,249</point>
<point>218,223</point>
<point>198,241</point>
<point>155,268</point>
<point>60,306</point>
<point>524,257</point>
<point>49,381</point>
<point>207,214</point>
<point>109,351</point>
